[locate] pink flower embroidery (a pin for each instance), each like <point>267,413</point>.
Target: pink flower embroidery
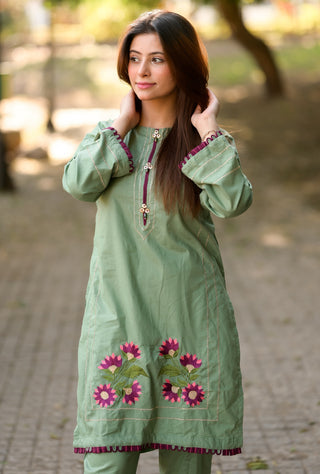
<point>111,363</point>
<point>169,347</point>
<point>193,394</point>
<point>105,395</point>
<point>131,350</point>
<point>171,392</point>
<point>181,383</point>
<point>132,393</point>
<point>190,362</point>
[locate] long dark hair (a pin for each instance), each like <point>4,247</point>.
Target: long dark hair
<point>188,62</point>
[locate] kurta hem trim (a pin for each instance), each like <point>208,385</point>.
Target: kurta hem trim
<point>124,146</point>
<point>199,148</point>
<point>150,446</point>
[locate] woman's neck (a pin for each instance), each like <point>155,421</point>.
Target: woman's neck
<point>157,114</point>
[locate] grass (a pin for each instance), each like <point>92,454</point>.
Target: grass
<point>300,58</point>
<point>238,67</point>
<point>232,69</point>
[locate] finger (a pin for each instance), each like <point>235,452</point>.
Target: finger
<point>197,110</point>
<point>212,97</point>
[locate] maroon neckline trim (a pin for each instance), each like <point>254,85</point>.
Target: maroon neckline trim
<point>168,447</point>
<point>144,209</point>
<point>124,146</point>
<point>199,148</point>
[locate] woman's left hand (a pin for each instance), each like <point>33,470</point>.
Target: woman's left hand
<point>206,121</point>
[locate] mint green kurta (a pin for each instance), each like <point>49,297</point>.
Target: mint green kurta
<point>159,349</point>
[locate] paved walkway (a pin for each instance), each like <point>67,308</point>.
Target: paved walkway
<point>272,263</point>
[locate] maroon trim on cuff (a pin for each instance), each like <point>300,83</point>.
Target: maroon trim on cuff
<point>124,146</point>
<point>200,147</point>
<point>168,447</point>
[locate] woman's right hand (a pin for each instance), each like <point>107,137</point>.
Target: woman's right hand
<point>129,117</point>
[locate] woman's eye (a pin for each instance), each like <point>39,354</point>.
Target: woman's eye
<point>157,60</point>
<point>133,59</point>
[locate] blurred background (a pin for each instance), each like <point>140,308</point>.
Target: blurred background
<point>58,58</point>
<point>58,79</point>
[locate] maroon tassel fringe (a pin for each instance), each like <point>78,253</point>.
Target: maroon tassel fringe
<point>169,447</point>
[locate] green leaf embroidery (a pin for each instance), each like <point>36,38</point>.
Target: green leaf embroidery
<point>108,376</point>
<point>182,383</point>
<point>184,369</point>
<point>194,377</point>
<point>120,386</point>
<point>169,356</point>
<point>134,371</point>
<point>169,370</point>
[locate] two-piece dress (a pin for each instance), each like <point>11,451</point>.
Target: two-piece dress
<point>159,352</point>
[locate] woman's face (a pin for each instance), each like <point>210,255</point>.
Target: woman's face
<point>149,72</point>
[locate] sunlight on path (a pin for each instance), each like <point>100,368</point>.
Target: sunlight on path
<point>29,118</point>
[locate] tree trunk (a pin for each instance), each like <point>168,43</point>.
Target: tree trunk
<point>6,182</point>
<point>49,75</point>
<point>231,11</point>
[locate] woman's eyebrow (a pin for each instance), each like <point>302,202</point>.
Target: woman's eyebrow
<point>150,54</point>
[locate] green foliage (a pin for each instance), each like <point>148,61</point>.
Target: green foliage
<point>106,20</point>
<point>212,2</point>
<point>57,3</point>
<point>13,20</point>
<point>142,4</point>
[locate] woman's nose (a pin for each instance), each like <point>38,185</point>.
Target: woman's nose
<point>144,69</point>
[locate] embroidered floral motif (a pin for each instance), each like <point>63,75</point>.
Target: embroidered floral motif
<point>169,348</point>
<point>190,362</point>
<point>105,395</point>
<point>111,362</point>
<point>130,351</point>
<point>171,392</point>
<point>119,372</point>
<point>193,394</point>
<point>182,373</point>
<point>132,393</point>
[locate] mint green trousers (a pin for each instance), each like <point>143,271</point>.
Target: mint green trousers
<point>176,462</point>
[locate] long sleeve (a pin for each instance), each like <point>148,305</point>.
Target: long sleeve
<point>214,166</point>
<point>102,155</point>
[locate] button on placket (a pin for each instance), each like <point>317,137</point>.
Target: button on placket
<point>144,209</point>
<point>156,135</point>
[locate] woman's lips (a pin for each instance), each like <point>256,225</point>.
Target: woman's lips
<point>145,85</point>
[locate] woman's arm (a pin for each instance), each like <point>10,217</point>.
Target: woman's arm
<point>102,155</point>
<point>214,166</point>
<point>206,121</point>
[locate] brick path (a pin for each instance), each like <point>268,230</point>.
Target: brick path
<point>272,263</point>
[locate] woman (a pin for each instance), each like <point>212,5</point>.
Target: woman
<point>159,351</point>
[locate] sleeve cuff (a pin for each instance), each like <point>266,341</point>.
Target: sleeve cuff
<point>124,147</point>
<point>200,147</point>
